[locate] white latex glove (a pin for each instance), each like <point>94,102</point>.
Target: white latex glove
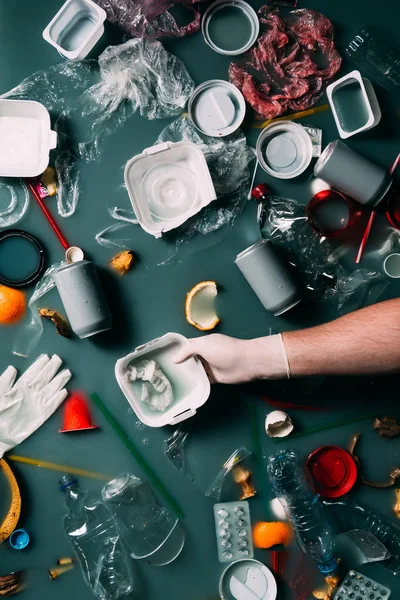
<point>229,360</point>
<point>26,404</point>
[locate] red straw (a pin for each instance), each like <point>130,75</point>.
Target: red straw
<point>48,216</point>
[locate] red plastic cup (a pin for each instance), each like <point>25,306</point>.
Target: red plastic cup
<point>330,213</point>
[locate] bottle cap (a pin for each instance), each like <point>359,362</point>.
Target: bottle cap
<point>260,191</point>
<point>333,470</point>
<point>67,481</point>
<point>19,539</point>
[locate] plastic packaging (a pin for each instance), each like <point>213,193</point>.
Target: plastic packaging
<point>100,96</point>
<point>95,541</point>
<point>233,531</point>
<point>358,547</point>
<point>14,200</point>
<point>141,18</point>
<point>377,55</point>
<point>357,582</point>
<point>149,530</point>
<point>230,27</point>
<point>285,62</point>
<point>349,515</point>
<point>174,447</point>
<point>215,488</point>
<point>291,484</point>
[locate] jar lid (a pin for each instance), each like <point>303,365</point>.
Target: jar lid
<point>333,470</point>
<point>217,108</point>
<point>284,150</point>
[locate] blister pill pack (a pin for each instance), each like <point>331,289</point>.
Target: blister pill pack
<point>233,529</point>
<point>359,587</point>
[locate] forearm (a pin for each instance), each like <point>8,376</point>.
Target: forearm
<point>366,341</point>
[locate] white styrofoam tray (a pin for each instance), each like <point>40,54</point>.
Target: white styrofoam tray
<point>167,184</point>
<point>76,28</point>
<point>368,103</point>
<point>190,384</point>
<point>25,138</point>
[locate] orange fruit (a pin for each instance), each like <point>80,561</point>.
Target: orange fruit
<point>199,306</point>
<point>12,305</point>
<point>266,535</point>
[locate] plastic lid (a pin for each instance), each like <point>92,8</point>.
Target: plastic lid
<point>67,481</point>
<point>247,578</point>
<point>15,246</point>
<point>284,150</point>
<point>333,470</point>
<point>230,27</point>
<point>217,108</point>
<point>19,539</point>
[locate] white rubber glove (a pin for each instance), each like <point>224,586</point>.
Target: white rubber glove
<point>26,404</point>
<point>229,360</point>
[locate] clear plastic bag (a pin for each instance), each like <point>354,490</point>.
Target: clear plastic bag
<point>141,18</point>
<point>99,96</point>
<point>174,448</point>
<point>215,488</point>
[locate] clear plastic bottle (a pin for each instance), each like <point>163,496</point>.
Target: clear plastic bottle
<point>95,540</point>
<point>291,484</point>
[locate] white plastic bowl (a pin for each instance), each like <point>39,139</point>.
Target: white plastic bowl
<point>76,28</point>
<point>190,383</point>
<point>25,138</point>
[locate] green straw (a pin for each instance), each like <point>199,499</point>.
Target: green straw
<point>137,456</point>
<point>324,428</point>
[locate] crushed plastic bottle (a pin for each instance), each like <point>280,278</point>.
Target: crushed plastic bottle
<point>95,541</point>
<point>291,484</point>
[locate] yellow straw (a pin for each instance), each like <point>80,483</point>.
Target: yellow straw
<point>54,467</point>
<point>294,116</point>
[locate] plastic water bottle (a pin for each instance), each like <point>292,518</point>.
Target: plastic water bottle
<point>95,540</point>
<point>291,484</point>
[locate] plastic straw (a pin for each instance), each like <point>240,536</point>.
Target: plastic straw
<point>365,236</point>
<point>137,456</point>
<point>48,216</point>
<point>35,462</point>
<point>293,117</point>
<point>325,427</point>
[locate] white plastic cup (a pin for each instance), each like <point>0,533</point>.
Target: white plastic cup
<point>391,265</point>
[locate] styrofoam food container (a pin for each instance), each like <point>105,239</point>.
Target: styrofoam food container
<point>167,184</point>
<point>284,149</point>
<point>248,14</point>
<point>76,28</point>
<point>368,103</point>
<point>217,108</point>
<point>190,383</point>
<point>25,138</point>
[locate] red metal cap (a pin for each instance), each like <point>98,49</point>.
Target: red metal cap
<point>260,191</point>
<point>333,470</point>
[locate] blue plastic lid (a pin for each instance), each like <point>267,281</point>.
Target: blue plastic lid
<point>19,539</point>
<point>67,481</point>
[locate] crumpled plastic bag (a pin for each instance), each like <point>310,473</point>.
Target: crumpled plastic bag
<point>98,97</point>
<point>284,222</point>
<point>228,160</point>
<point>150,18</point>
<point>293,61</point>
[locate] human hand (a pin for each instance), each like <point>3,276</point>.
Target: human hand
<point>230,360</point>
<point>27,403</point>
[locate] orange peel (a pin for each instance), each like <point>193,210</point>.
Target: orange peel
<point>266,535</point>
<point>200,306</point>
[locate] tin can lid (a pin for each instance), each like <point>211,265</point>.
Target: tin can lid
<point>284,150</point>
<point>230,27</point>
<point>217,108</point>
<point>333,470</point>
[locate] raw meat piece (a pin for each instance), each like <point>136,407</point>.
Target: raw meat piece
<point>290,66</point>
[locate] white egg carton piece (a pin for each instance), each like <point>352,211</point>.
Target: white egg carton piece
<point>76,28</point>
<point>357,586</point>
<point>26,138</point>
<point>190,384</point>
<point>167,184</point>
<point>369,101</point>
<point>233,531</point>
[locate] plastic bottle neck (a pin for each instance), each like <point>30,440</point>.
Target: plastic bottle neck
<point>328,567</point>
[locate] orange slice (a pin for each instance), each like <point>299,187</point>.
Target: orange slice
<point>200,306</point>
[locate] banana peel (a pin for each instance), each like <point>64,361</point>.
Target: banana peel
<point>11,519</point>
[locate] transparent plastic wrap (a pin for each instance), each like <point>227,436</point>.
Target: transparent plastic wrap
<point>141,18</point>
<point>215,487</point>
<point>174,448</point>
<point>284,222</point>
<point>228,161</point>
<point>31,329</point>
<point>291,64</point>
<point>90,99</point>
<point>14,200</point>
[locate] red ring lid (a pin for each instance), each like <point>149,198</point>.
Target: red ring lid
<point>333,470</point>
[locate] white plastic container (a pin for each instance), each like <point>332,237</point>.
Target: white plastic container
<point>76,28</point>
<point>190,383</point>
<point>25,138</point>
<point>284,149</point>
<point>354,104</point>
<point>230,27</point>
<point>167,184</point>
<point>217,108</point>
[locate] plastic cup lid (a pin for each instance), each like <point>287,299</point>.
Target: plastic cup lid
<point>333,470</point>
<point>247,578</point>
<point>284,150</point>
<point>223,19</point>
<point>217,108</point>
